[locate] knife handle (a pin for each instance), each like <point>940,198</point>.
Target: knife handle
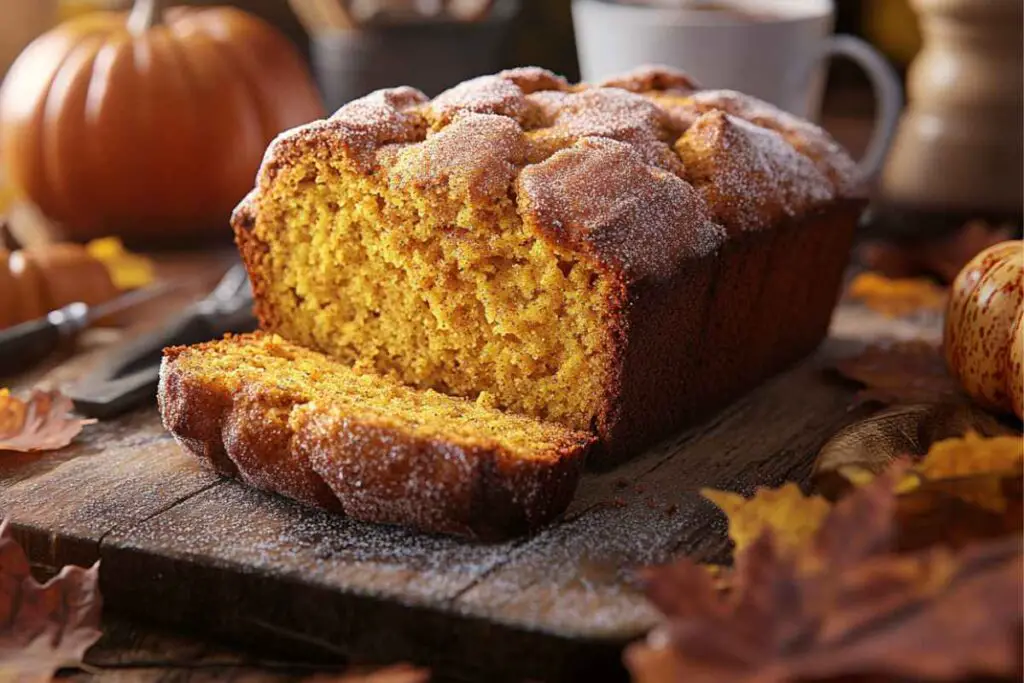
<point>24,345</point>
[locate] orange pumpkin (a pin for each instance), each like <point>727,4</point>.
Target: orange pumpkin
<point>152,123</point>
<point>36,281</point>
<point>984,335</point>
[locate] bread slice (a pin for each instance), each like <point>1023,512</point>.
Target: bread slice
<point>293,421</point>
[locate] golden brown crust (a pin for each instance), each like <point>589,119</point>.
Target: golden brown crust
<point>319,455</point>
<point>649,109</point>
<point>707,208</point>
<point>585,195</point>
<point>653,78</point>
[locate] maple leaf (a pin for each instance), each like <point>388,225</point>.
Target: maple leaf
<point>850,608</point>
<point>895,298</point>
<point>901,372</point>
<point>944,257</point>
<point>793,517</point>
<point>398,673</point>
<point>41,423</point>
<point>976,464</point>
<point>44,627</point>
<point>972,454</point>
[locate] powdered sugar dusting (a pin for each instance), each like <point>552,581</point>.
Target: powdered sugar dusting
<point>809,139</point>
<point>476,157</point>
<point>531,79</point>
<point>750,176</point>
<point>618,115</point>
<point>657,77</point>
<point>482,95</point>
<point>601,195</point>
<point>546,105</point>
<point>356,131</point>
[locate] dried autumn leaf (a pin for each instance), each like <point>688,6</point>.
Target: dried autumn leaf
<point>793,517</point>
<point>901,372</point>
<point>44,627</point>
<point>127,269</point>
<point>398,673</point>
<point>864,448</point>
<point>945,511</point>
<point>942,258</point>
<point>895,298</point>
<point>42,423</point>
<point>844,607</point>
<point>972,454</point>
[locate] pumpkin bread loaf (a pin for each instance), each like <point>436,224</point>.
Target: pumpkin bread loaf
<point>284,418</point>
<point>614,258</point>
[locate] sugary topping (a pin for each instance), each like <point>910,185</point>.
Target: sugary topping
<point>472,141</point>
<point>602,197</point>
<point>475,158</point>
<point>614,114</point>
<point>544,107</point>
<point>654,77</point>
<point>356,131</point>
<point>750,176</point>
<point>483,95</point>
<point>531,79</point>
<point>809,139</point>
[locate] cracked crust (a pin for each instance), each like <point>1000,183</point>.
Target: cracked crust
<point>724,222</point>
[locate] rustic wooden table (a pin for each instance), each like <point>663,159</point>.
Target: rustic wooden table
<point>564,583</point>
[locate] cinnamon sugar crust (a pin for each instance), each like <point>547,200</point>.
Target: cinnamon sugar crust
<point>645,193</point>
<point>285,419</point>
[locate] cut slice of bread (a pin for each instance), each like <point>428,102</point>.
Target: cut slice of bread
<point>296,422</point>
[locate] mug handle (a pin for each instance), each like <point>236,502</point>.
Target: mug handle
<point>888,96</point>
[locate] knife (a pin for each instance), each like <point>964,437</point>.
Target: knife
<point>25,344</point>
<point>129,375</point>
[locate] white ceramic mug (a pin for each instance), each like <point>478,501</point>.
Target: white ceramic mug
<point>772,49</point>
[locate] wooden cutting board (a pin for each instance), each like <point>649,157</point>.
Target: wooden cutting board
<point>182,547</point>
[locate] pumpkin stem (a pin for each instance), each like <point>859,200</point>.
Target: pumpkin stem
<point>145,15</point>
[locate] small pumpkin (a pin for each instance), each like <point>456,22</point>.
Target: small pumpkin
<point>984,334</point>
<point>151,123</point>
<point>38,280</point>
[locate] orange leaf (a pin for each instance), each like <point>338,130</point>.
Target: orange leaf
<point>127,270</point>
<point>901,372</point>
<point>44,627</point>
<point>791,516</point>
<point>972,454</point>
<point>398,673</point>
<point>899,297</point>
<point>39,424</point>
<point>844,608</point>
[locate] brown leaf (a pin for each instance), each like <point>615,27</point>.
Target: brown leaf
<point>398,673</point>
<point>895,298</point>
<point>901,372</point>
<point>793,517</point>
<point>945,512</point>
<point>855,609</point>
<point>942,258</point>
<point>961,489</point>
<point>874,443</point>
<point>42,423</point>
<point>44,627</point>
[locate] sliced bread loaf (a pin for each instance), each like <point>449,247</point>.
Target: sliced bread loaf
<point>294,421</point>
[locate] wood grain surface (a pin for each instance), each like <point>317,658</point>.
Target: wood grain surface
<point>182,548</point>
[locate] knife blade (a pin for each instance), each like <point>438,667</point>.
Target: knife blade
<point>128,376</point>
